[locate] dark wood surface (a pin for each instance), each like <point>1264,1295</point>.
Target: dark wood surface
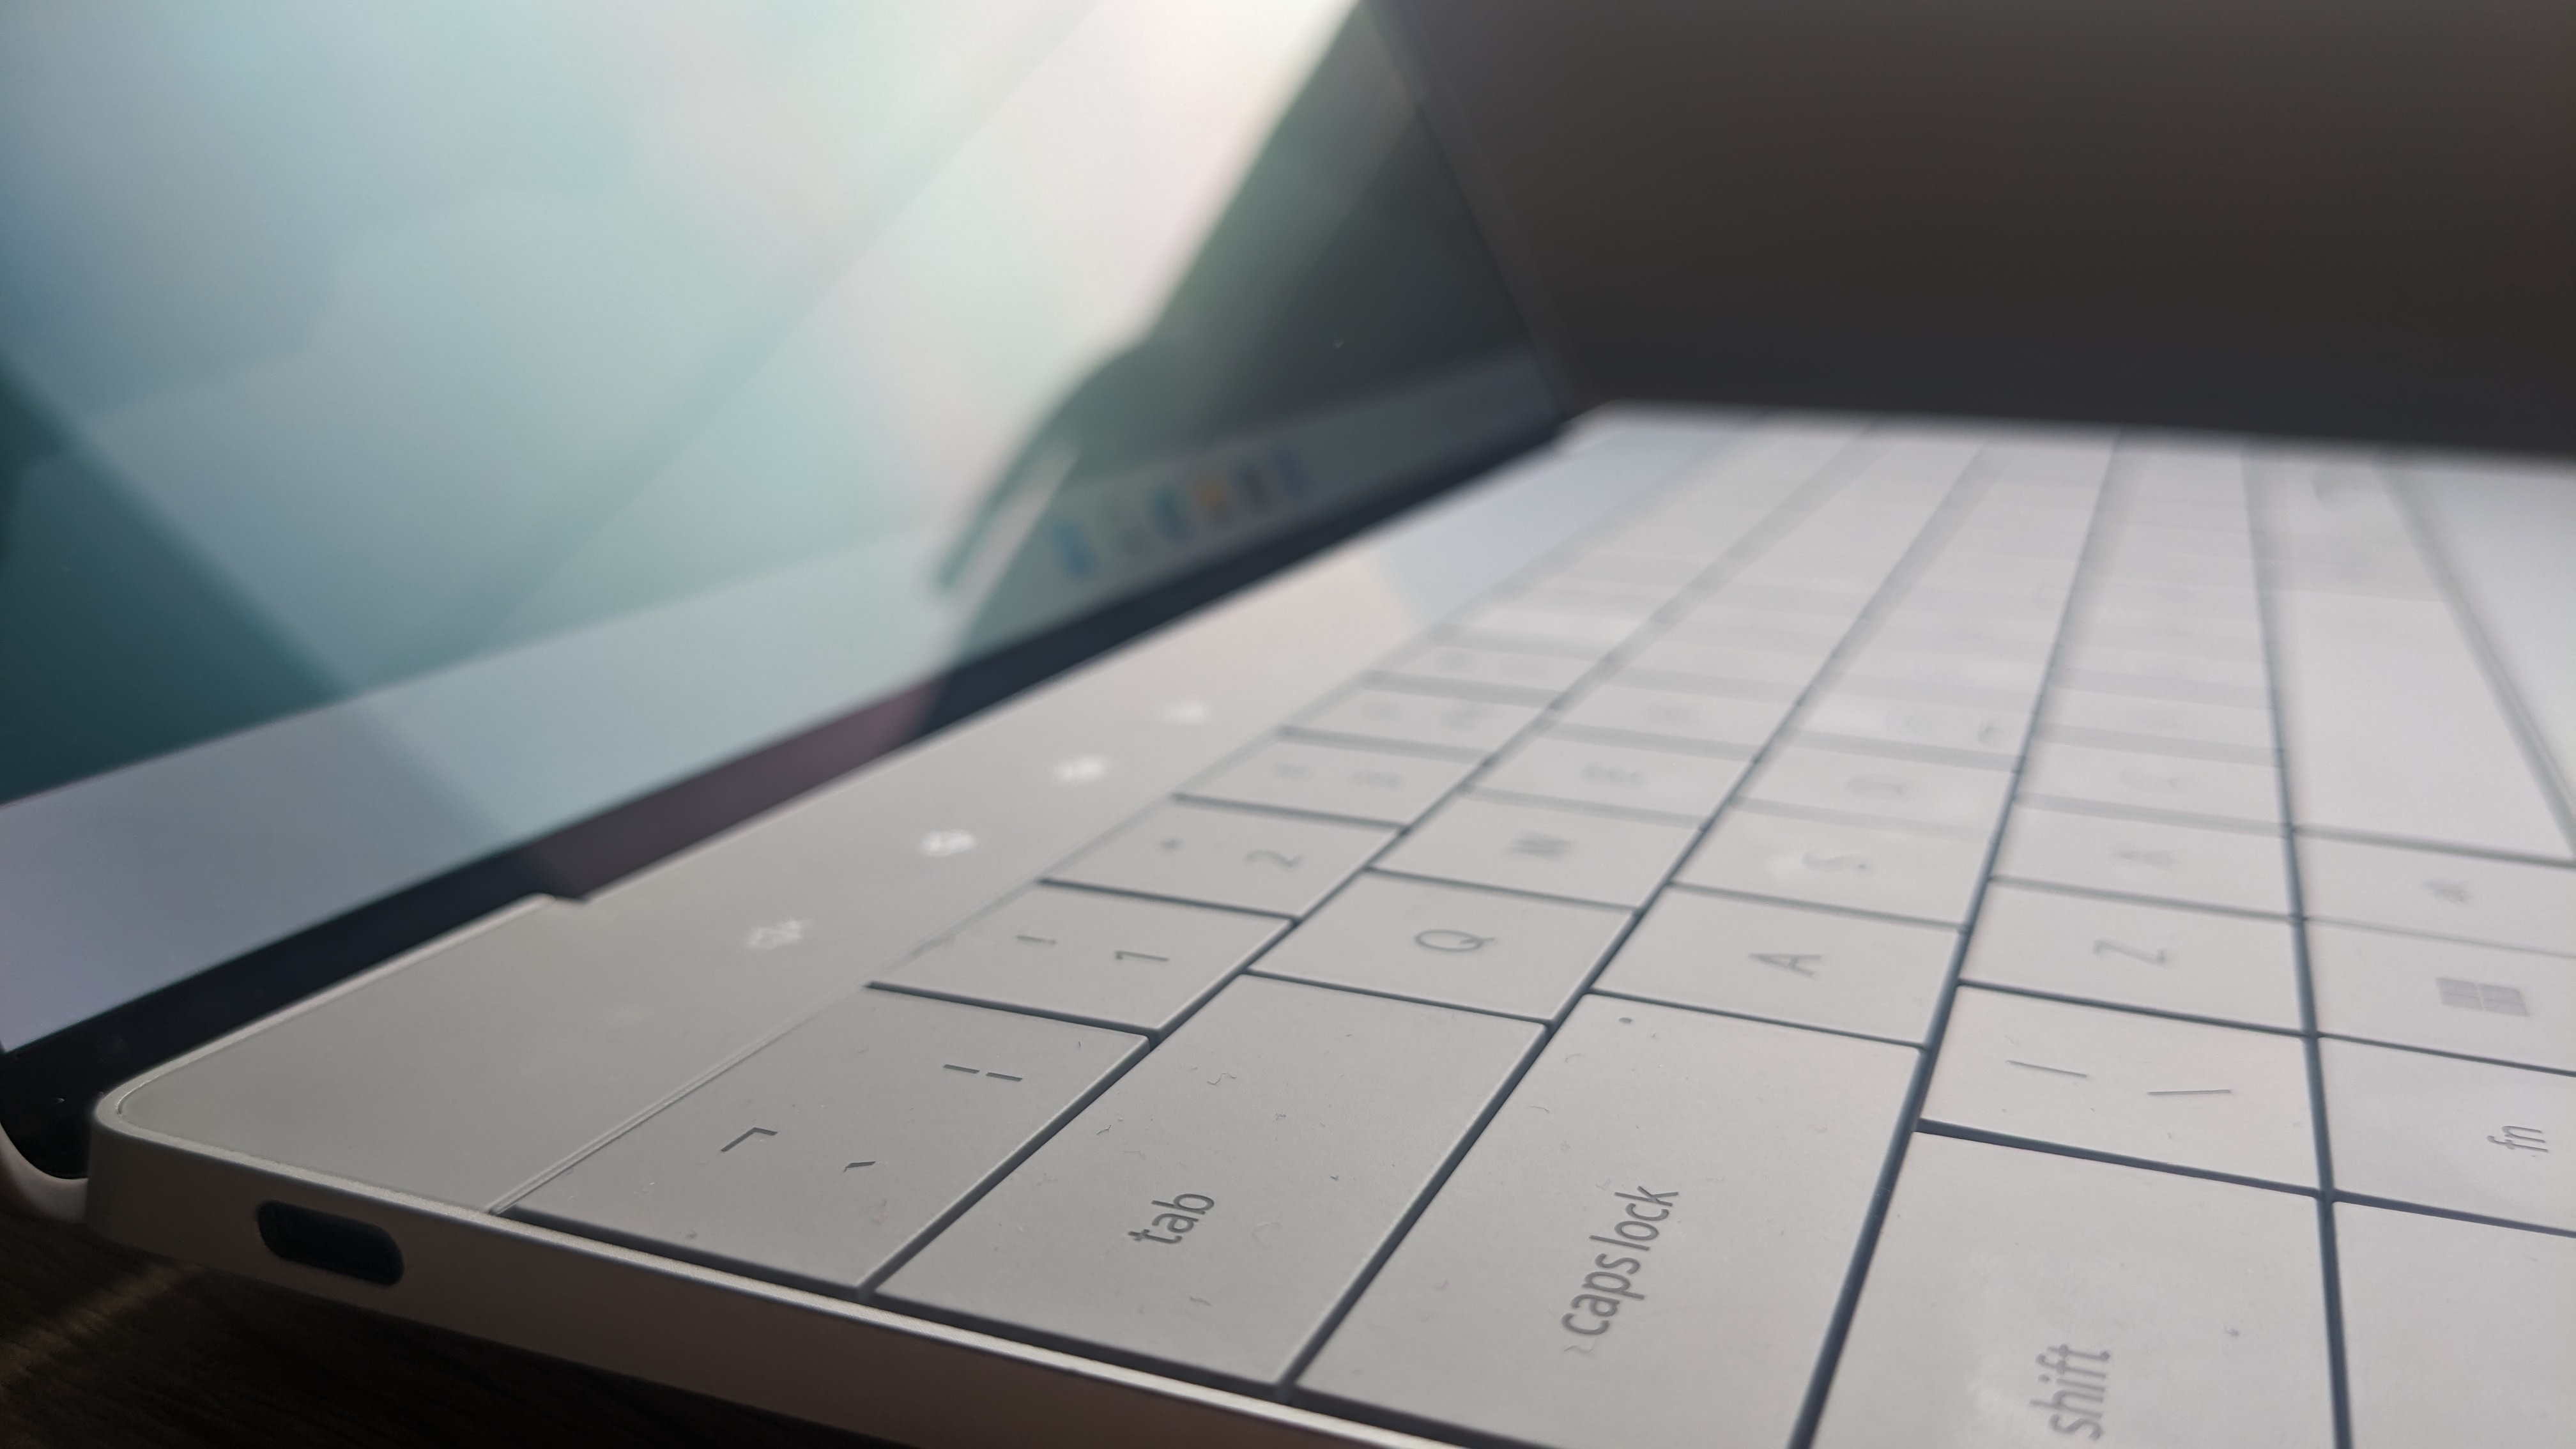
<point>102,1347</point>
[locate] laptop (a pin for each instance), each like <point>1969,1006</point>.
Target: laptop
<point>930,718</point>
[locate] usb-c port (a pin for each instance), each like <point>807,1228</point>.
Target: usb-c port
<point>331,1243</point>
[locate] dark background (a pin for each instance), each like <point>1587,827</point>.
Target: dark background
<point>2345,217</point>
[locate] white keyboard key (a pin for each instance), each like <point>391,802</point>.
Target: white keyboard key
<point>1787,963</point>
<point>1710,720</point>
<point>2473,1137</point>
<point>1450,945</point>
<point>1579,771</point>
<point>2042,602</point>
<point>1116,960</point>
<point>1538,848</point>
<point>2016,636</point>
<point>2164,783</point>
<point>2176,600</point>
<point>2137,536</point>
<point>2022,1298</point>
<point>2149,668</point>
<point>1215,1204</point>
<point>1585,633</point>
<point>819,1157</point>
<point>1965,798</point>
<point>2129,953</point>
<point>1720,617</point>
<point>1241,858</point>
<point>2234,573</point>
<point>1994,733</point>
<point>2464,897</point>
<point>2240,733</point>
<point>2155,636</point>
<point>1778,672</point>
<point>1433,721</point>
<point>2195,865</point>
<point>2478,1001</point>
<point>1743,636</point>
<point>1323,779</point>
<point>1587,1276</point>
<point>1547,599</point>
<point>1644,571</point>
<point>2394,730</point>
<point>2145,1087</point>
<point>1884,869</point>
<point>2456,1333</point>
<point>1980,674</point>
<point>1509,673</point>
<point>1779,598</point>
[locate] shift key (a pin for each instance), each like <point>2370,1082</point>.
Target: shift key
<point>1647,1244</point>
<point>1214,1206</point>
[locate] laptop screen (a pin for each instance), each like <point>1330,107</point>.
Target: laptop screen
<point>425,427</point>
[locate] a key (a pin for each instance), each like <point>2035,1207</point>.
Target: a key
<point>2130,953</point>
<point>1433,721</point>
<point>2162,783</point>
<point>2158,636</point>
<point>1725,723</point>
<point>1573,770</point>
<point>1587,1276</point>
<point>2393,729</point>
<point>1546,599</point>
<point>1504,673</point>
<point>2477,1001</point>
<point>2234,573</point>
<point>1450,945</point>
<point>1213,1206</point>
<point>2473,1137</point>
<point>1326,779</point>
<point>1576,854</point>
<point>2171,599</point>
<point>2147,1087</point>
<point>2463,897</point>
<point>2195,865</point>
<point>1241,858</point>
<point>2455,1333</point>
<point>2140,723</point>
<point>1586,635</point>
<point>2182,674</point>
<point>1787,963</point>
<point>2025,1298</point>
<point>1969,677</point>
<point>1645,571</point>
<point>1749,671</point>
<point>1718,618</point>
<point>819,1157</point>
<point>1116,960</point>
<point>1772,639</point>
<point>1892,871</point>
<point>1964,798</point>
<point>1993,733</point>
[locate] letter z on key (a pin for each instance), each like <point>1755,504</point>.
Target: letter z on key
<point>1614,1279</point>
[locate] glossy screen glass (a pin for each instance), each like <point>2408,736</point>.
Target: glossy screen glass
<point>425,425</point>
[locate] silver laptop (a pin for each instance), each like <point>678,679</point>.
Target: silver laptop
<point>926,717</point>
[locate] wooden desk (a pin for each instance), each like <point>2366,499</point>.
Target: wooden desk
<point>102,1348</point>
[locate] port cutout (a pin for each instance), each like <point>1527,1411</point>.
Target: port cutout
<point>331,1243</point>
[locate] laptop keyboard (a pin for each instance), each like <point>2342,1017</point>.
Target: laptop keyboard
<point>1824,958</point>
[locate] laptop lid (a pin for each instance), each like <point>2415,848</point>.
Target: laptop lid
<point>454,452</point>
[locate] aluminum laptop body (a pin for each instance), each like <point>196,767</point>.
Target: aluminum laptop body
<point>1727,928</point>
